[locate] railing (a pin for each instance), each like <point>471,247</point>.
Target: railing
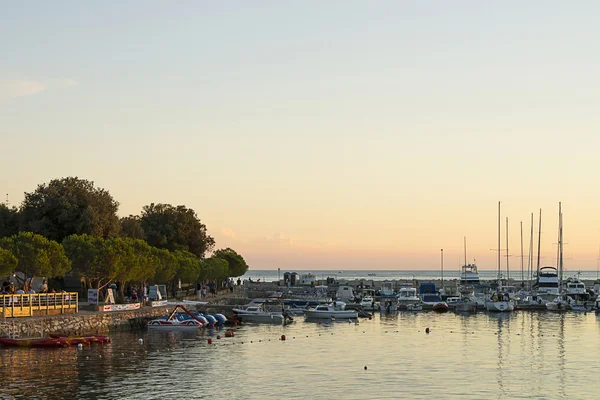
<point>24,305</point>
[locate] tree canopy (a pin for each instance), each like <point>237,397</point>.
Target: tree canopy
<point>188,266</point>
<point>214,268</point>
<point>8,262</point>
<point>236,263</point>
<point>69,206</point>
<point>175,228</point>
<point>9,220</point>
<point>131,227</point>
<point>36,256</point>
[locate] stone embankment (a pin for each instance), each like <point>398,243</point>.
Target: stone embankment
<point>83,323</point>
<point>96,322</point>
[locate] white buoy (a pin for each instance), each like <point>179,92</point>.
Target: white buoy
<point>140,341</point>
<point>79,346</point>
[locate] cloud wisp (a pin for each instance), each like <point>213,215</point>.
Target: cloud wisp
<point>11,88</point>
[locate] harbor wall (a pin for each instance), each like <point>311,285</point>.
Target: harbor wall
<point>82,324</point>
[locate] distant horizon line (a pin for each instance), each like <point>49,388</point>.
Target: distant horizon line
<point>408,269</point>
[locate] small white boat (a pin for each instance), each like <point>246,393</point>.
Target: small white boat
<point>407,294</point>
<point>580,306</point>
<point>500,306</point>
<point>414,307</point>
<point>257,314</point>
<point>465,305</point>
<point>388,300</point>
<point>335,310</point>
<point>560,303</point>
<point>368,303</point>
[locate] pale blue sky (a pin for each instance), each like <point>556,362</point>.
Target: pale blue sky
<point>307,134</point>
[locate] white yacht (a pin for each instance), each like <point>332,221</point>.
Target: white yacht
<point>469,275</point>
<point>547,281</point>
<point>256,313</point>
<point>336,310</point>
<point>367,301</point>
<point>407,294</point>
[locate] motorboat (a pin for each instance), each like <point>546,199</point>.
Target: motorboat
<point>335,310</point>
<point>560,303</point>
<point>407,294</point>
<point>547,281</point>
<point>452,301</point>
<point>414,307</point>
<point>440,307</point>
<point>388,300</point>
<point>465,304</point>
<point>368,303</point>
<point>176,320</point>
<point>256,313</point>
<point>532,301</point>
<point>469,275</point>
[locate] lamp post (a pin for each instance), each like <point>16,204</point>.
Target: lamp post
<point>442,263</point>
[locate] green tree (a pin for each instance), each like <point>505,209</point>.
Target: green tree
<point>70,206</point>
<point>188,266</point>
<point>175,228</point>
<point>237,264</point>
<point>131,227</point>
<point>8,262</point>
<point>98,260</point>
<point>9,221</point>
<point>166,265</point>
<point>36,256</point>
<point>139,261</point>
<point>214,268</point>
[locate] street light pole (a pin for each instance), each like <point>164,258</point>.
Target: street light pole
<point>442,262</point>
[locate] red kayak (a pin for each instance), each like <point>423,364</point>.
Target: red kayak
<point>50,342</point>
<point>80,339</point>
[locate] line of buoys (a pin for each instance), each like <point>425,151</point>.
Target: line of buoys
<point>282,337</point>
<point>427,330</point>
<point>209,341</point>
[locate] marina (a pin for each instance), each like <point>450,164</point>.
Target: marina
<point>494,351</point>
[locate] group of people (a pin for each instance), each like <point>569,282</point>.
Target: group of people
<point>136,293</point>
<point>213,287</point>
<point>8,287</point>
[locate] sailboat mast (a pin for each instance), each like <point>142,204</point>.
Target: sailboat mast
<point>442,265</point>
<point>598,265</point>
<point>465,248</point>
<point>560,245</point>
<point>522,275</point>
<point>499,275</point>
<point>529,263</point>
<point>507,273</point>
<point>539,242</point>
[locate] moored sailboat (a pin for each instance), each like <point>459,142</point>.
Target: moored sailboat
<point>500,301</point>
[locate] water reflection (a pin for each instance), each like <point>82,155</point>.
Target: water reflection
<point>521,354</point>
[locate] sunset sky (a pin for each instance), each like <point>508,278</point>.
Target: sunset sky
<point>318,135</point>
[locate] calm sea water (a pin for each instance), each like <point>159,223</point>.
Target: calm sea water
<point>380,275</point>
<point>480,356</point>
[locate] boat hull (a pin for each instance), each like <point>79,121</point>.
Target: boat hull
<point>500,306</point>
<point>315,314</point>
<point>264,319</point>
